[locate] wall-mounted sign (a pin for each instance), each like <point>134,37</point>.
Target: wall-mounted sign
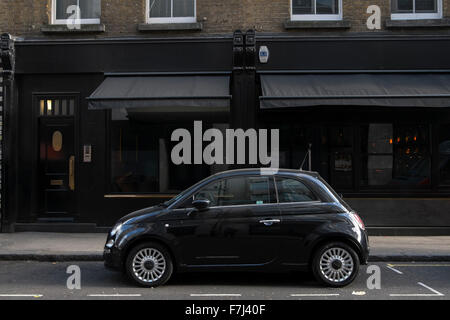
<point>87,153</point>
<point>263,54</point>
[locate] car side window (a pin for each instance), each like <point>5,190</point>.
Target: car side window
<point>238,191</point>
<point>292,190</point>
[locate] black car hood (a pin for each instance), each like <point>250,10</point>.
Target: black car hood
<point>146,214</point>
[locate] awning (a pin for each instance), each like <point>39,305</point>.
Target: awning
<point>198,93</point>
<point>378,89</point>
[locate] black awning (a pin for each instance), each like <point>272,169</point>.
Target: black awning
<point>378,89</point>
<point>202,93</point>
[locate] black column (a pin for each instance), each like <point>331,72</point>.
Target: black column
<point>243,86</point>
<point>10,136</point>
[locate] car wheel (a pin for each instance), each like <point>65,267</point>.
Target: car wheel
<point>149,264</point>
<point>335,264</point>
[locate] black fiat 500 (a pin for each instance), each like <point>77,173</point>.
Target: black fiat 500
<point>250,219</point>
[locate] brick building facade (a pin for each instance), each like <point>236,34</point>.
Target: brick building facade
<point>29,18</point>
<point>369,105</point>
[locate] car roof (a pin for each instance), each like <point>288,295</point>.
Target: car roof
<point>266,171</point>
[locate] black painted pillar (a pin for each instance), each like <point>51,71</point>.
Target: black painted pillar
<point>10,168</point>
<point>243,85</point>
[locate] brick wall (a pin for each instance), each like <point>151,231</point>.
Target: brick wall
<point>121,17</point>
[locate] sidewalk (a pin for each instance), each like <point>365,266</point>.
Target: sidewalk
<point>89,247</point>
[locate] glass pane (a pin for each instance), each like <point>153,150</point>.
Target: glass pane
<point>56,107</point>
<point>327,7</point>
<point>42,107</point>
<point>64,107</point>
<point>237,191</point>
<point>183,8</point>
<point>291,190</point>
<point>397,155</point>
<point>424,6</point>
<point>160,8</point>
<point>302,6</point>
<point>71,107</point>
<point>444,155</point>
<point>61,8</point>
<point>90,9</point>
<point>402,6</point>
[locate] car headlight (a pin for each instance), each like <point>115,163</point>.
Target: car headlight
<point>116,229</point>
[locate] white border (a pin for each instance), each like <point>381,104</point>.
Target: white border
<point>149,20</point>
<point>317,17</point>
<point>418,16</point>
<point>65,21</point>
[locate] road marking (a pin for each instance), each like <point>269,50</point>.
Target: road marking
<point>431,289</point>
<point>115,295</point>
<point>395,270</point>
<point>22,295</point>
<point>314,294</point>
<point>419,265</point>
<point>216,295</point>
<point>434,294</point>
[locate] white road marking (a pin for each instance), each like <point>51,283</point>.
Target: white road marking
<point>115,295</point>
<point>21,295</point>
<point>431,289</point>
<point>434,294</point>
<point>216,295</point>
<point>314,294</point>
<point>395,270</point>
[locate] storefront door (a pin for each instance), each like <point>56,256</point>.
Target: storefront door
<point>56,167</point>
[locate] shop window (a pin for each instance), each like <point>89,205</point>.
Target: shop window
<point>238,191</point>
<point>141,158</point>
<point>395,155</point>
<point>90,11</point>
<point>444,155</point>
<point>171,11</point>
<point>340,148</point>
<point>416,9</point>
<point>316,10</point>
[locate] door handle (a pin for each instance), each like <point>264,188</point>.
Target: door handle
<point>269,222</point>
<point>72,173</point>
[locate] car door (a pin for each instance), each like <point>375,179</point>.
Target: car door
<point>301,212</point>
<point>249,227</point>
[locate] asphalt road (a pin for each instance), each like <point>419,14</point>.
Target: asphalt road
<point>46,280</point>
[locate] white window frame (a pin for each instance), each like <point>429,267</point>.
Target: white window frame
<point>418,16</point>
<point>315,17</point>
<point>150,20</point>
<point>65,21</point>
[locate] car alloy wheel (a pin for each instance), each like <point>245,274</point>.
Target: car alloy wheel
<point>335,264</point>
<point>149,264</point>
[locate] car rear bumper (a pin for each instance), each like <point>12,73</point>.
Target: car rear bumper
<point>112,259</point>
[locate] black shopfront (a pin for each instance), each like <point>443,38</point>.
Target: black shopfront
<point>88,123</point>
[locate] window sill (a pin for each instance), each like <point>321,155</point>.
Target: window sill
<point>148,27</point>
<point>62,28</point>
<point>422,23</point>
<point>317,24</point>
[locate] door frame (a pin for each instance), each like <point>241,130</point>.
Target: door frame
<point>35,140</point>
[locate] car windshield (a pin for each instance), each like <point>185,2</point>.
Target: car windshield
<point>183,193</point>
<point>334,193</point>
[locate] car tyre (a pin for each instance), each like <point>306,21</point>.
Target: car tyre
<point>335,264</point>
<point>149,264</point>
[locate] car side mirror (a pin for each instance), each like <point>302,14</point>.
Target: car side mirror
<point>201,204</point>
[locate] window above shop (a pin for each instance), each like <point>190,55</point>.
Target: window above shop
<point>416,9</point>
<point>171,11</point>
<point>63,11</point>
<point>309,10</point>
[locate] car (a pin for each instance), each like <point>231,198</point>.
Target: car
<point>244,219</point>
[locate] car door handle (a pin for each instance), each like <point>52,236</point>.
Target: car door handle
<point>269,222</point>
